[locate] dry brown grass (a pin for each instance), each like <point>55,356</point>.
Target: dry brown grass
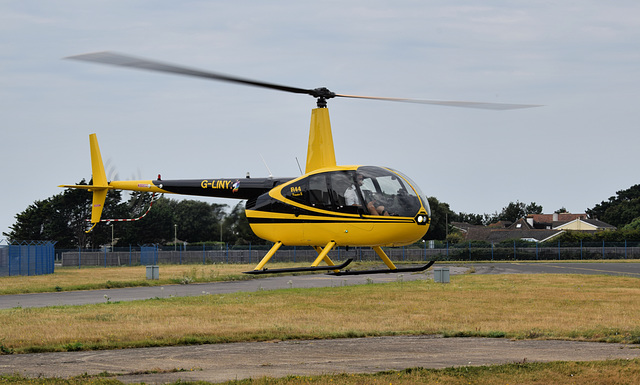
<point>599,308</point>
<point>72,278</point>
<point>616,372</point>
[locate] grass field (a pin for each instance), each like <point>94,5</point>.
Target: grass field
<point>594,308</point>
<point>92,278</point>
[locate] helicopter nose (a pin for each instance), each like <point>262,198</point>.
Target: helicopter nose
<point>422,219</point>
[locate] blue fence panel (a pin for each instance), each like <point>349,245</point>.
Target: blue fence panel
<point>149,255</point>
<point>27,258</point>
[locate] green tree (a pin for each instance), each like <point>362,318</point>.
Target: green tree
<point>63,218</point>
<point>198,221</point>
<point>441,216</point>
<point>473,219</point>
<point>620,209</point>
<point>156,227</point>
<point>514,211</point>
<point>237,228</point>
<point>634,225</point>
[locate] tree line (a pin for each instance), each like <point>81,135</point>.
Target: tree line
<point>63,218</point>
<point>621,210</point>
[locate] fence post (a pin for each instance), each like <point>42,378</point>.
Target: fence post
<point>28,260</point>
<point>603,249</point>
<point>581,249</point>
<point>515,258</point>
<point>491,251</point>
<point>558,250</point>
<point>203,253</point>
<point>537,250</point>
<point>625,249</point>
<point>10,251</point>
<point>36,261</point>
<point>79,257</point>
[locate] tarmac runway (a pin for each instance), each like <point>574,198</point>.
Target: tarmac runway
<point>307,281</point>
<point>224,362</point>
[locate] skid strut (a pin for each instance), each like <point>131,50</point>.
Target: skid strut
<point>385,271</point>
<point>391,267</point>
<point>332,268</point>
<point>322,256</point>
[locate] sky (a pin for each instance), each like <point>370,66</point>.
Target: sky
<point>580,59</point>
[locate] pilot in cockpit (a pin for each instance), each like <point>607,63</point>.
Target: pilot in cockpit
<point>352,199</point>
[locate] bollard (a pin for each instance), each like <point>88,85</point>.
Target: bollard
<point>153,272</point>
<point>441,274</point>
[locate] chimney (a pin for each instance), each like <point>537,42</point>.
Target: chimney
<point>555,217</point>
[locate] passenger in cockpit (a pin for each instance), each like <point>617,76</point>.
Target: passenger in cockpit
<point>375,207</point>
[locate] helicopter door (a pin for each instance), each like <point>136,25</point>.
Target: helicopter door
<point>318,192</point>
<point>310,191</point>
<point>326,191</point>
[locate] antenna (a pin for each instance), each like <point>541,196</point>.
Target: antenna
<point>299,168</point>
<point>265,164</point>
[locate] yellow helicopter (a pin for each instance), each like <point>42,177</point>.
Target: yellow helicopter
<point>328,206</point>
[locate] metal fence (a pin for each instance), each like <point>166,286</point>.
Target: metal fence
<point>26,258</point>
<point>152,254</point>
<point>515,251</point>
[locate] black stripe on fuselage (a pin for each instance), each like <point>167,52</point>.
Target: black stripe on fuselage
<point>329,219</point>
<point>234,188</point>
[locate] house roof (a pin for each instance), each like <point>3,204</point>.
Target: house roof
<point>556,217</point>
<point>538,227</point>
<point>520,224</point>
<point>593,223</point>
<point>463,226</point>
<point>498,235</point>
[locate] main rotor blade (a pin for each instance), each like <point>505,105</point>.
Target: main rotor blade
<point>322,93</point>
<point>121,60</point>
<point>451,103</point>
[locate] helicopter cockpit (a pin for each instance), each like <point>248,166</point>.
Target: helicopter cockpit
<point>367,190</point>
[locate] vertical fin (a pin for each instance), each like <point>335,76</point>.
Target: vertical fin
<point>100,184</point>
<point>320,152</point>
<point>97,167</point>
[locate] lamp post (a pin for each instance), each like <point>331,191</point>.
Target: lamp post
<point>175,237</point>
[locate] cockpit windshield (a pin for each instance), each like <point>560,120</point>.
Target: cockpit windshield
<point>423,198</point>
<point>369,190</point>
<point>388,192</point>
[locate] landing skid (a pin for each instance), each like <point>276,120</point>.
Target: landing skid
<point>298,269</point>
<point>384,271</point>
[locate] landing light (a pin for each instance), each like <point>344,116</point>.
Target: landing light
<point>422,219</point>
